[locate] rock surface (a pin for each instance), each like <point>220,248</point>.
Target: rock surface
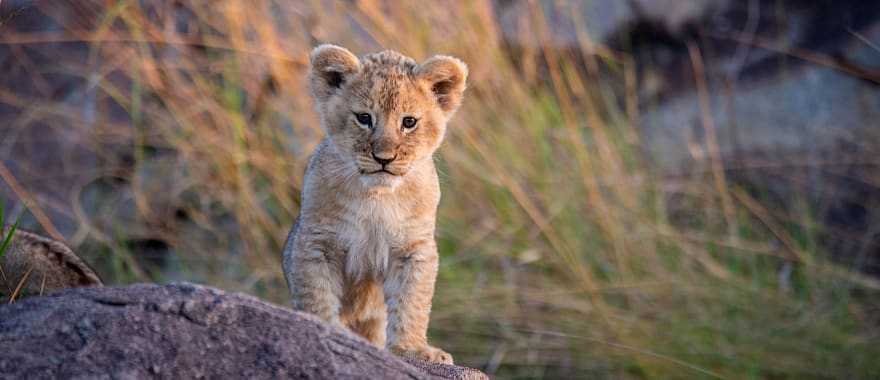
<point>34,264</point>
<point>187,331</point>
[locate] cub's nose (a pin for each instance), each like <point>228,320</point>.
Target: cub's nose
<point>384,158</point>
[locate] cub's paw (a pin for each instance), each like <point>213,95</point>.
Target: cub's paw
<point>426,353</point>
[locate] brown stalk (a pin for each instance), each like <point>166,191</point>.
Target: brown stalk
<point>20,285</point>
<point>711,140</point>
<point>30,203</point>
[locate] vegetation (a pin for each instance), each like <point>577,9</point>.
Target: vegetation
<point>6,233</point>
<point>566,252</point>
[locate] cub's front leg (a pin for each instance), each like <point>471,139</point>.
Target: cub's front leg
<point>315,280</point>
<point>409,288</point>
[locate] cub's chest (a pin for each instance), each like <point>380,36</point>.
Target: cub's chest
<point>368,232</point>
<point>374,220</point>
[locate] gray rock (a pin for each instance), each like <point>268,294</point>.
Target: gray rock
<point>187,331</point>
<point>34,264</point>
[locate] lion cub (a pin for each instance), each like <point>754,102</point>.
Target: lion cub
<point>363,247</point>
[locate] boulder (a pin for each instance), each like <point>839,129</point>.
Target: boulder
<point>35,264</point>
<point>187,331</point>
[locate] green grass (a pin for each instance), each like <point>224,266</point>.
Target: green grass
<point>6,233</point>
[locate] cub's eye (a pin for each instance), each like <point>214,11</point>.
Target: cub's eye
<point>365,119</point>
<point>409,122</point>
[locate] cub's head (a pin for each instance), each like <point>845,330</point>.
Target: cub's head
<point>384,112</point>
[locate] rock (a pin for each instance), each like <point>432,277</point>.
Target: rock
<point>187,331</point>
<point>41,265</point>
<point>781,74</point>
<point>791,92</point>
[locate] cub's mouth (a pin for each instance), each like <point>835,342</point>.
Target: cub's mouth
<point>380,179</point>
<point>380,171</point>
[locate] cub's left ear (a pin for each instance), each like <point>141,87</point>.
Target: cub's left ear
<point>446,76</point>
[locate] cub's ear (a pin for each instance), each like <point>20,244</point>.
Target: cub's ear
<point>446,77</point>
<point>331,67</point>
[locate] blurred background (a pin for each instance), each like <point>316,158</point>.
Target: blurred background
<point>631,189</point>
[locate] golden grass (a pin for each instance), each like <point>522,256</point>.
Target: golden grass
<point>561,257</point>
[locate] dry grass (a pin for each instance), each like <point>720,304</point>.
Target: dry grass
<point>560,255</point>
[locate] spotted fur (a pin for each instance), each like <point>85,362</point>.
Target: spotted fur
<point>362,253</point>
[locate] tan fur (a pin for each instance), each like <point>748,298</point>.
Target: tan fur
<point>363,248</point>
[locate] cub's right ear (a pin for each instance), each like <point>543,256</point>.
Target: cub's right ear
<point>331,67</point>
